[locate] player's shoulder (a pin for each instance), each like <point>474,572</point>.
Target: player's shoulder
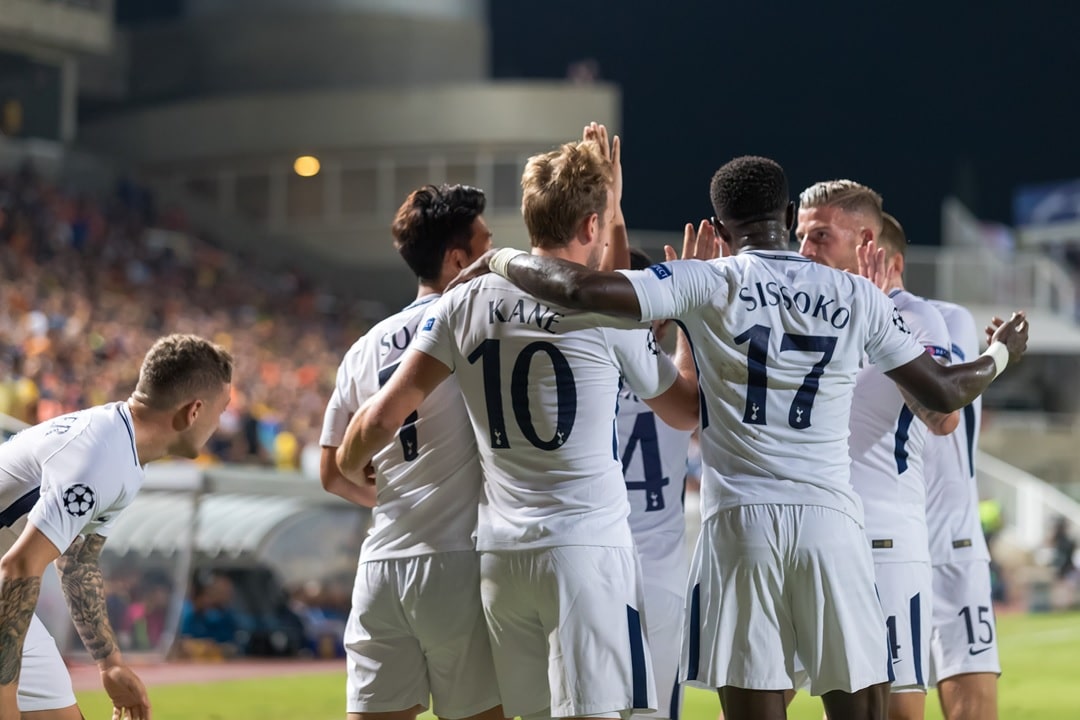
<point>91,433</point>
<point>953,313</point>
<point>917,308</point>
<point>393,332</point>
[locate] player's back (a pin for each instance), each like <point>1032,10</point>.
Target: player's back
<point>778,341</point>
<point>952,497</point>
<point>86,459</point>
<point>653,456</point>
<point>887,443</point>
<point>541,386</point>
<point>428,479</point>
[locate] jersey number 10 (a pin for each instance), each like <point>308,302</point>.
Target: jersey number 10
<point>487,352</point>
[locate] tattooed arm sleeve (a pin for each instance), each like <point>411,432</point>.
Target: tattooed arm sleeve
<point>18,596</point>
<point>84,590</point>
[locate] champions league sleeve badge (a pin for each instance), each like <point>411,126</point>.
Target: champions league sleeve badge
<point>78,500</point>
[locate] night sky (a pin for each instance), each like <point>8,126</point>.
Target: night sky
<point>916,103</point>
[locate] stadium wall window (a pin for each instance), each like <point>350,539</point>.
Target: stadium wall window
<point>406,179</point>
<point>506,192</point>
<point>305,197</point>
<point>359,191</point>
<point>460,173</point>
<point>204,188</point>
<point>253,197</point>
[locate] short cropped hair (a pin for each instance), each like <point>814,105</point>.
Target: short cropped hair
<point>892,236</point>
<point>639,259</point>
<point>847,195</point>
<point>432,220</point>
<point>749,188</point>
<point>560,189</point>
<point>181,368</point>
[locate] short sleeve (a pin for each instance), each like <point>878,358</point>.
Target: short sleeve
<point>647,370</point>
<point>339,409</point>
<point>435,335</point>
<point>889,343</point>
<point>75,494</point>
<point>930,330</point>
<point>673,289</point>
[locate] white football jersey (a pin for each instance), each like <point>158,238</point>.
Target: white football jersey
<point>952,496</point>
<point>541,384</point>
<point>778,340</point>
<point>69,476</point>
<point>887,442</point>
<point>428,480</point>
<point>653,456</point>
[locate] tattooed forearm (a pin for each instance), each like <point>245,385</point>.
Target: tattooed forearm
<point>18,596</point>
<point>938,423</point>
<point>84,589</point>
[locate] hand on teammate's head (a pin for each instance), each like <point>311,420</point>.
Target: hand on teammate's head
<point>478,268</point>
<point>1012,333</point>
<point>873,265</point>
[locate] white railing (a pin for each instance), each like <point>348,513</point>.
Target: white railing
<point>1031,505</point>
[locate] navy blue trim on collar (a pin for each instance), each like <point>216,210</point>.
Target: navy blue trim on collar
<point>422,301</point>
<point>131,432</point>
<point>788,255</point>
<point>895,292</point>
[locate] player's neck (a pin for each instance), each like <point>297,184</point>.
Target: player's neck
<point>761,235</point>
<point>425,289</point>
<point>571,252</point>
<point>150,443</point>
<point>772,242</point>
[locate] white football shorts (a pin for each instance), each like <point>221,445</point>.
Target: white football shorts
<point>769,582</point>
<point>567,631</point>
<point>964,635</point>
<point>416,630</point>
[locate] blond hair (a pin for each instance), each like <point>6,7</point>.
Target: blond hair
<point>892,236</point>
<point>560,189</point>
<point>181,368</point>
<point>847,195</point>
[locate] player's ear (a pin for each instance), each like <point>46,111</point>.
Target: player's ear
<point>458,259</point>
<point>591,227</point>
<point>722,230</point>
<point>186,415</point>
<point>866,236</point>
<point>789,216</point>
<point>897,264</point>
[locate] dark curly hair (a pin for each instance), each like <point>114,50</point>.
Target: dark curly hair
<point>749,188</point>
<point>432,220</point>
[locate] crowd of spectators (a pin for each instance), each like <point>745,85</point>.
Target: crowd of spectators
<point>87,284</point>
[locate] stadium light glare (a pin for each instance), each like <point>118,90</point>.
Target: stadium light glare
<point>306,166</point>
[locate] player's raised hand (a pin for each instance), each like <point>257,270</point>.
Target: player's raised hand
<point>700,245</point>
<point>598,133</point>
<point>127,692</point>
<point>1013,334</point>
<point>872,264</point>
<point>478,268</point>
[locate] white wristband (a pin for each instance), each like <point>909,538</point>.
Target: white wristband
<point>501,259</point>
<point>1000,355</point>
